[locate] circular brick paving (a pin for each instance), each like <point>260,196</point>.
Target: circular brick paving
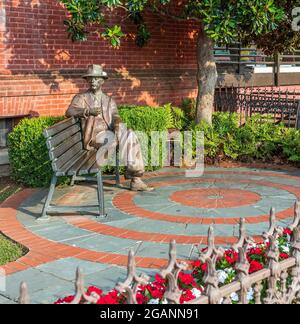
<point>215,198</point>
<point>214,192</point>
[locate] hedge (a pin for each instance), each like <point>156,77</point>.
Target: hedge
<point>256,140</point>
<point>28,153</point>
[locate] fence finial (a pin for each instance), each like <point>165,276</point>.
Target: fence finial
<point>296,221</point>
<point>242,268</point>
<point>211,276</point>
<point>133,281</point>
<point>171,273</point>
<point>244,240</point>
<point>24,295</point>
<point>272,222</point>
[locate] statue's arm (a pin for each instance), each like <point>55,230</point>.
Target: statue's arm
<point>77,108</point>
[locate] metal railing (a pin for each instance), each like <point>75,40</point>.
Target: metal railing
<point>281,278</point>
<point>238,59</point>
<point>281,106</point>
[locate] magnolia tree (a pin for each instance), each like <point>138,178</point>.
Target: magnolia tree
<point>267,22</point>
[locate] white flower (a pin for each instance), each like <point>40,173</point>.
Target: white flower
<point>234,297</point>
<point>164,302</point>
<point>252,245</point>
<point>196,292</point>
<point>250,294</point>
<point>222,276</point>
<point>154,302</point>
<point>286,249</point>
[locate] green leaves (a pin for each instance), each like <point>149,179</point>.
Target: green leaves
<point>231,21</point>
<point>114,34</point>
<point>267,22</point>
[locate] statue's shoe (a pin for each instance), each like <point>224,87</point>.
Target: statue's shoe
<point>138,185</point>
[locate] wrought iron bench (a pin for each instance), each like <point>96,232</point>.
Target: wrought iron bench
<point>69,158</point>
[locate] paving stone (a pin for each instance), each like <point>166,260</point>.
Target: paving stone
<point>66,268</point>
<point>35,279</point>
<point>4,300</point>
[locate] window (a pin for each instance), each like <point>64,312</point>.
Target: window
<point>6,126</point>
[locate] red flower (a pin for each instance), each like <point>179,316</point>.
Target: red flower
<point>66,300</point>
<point>196,264</point>
<point>159,280</point>
<point>284,256</point>
<point>187,279</point>
<point>257,251</point>
<point>204,267</point>
<point>186,296</point>
<point>141,299</point>
<point>231,256</point>
<point>287,231</point>
<point>255,266</point>
<point>155,291</point>
<point>95,290</point>
<point>110,299</point>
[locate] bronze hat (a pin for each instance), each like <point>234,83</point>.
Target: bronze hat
<point>95,70</point>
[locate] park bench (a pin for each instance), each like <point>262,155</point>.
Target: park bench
<point>69,158</point>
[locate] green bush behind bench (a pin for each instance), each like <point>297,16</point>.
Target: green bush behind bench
<point>28,152</point>
<point>256,140</point>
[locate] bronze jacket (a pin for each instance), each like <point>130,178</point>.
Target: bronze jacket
<point>92,125</point>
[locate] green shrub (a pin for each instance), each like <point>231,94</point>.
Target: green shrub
<point>259,139</point>
<point>291,145</point>
<point>28,153</point>
<point>146,119</point>
<point>188,105</point>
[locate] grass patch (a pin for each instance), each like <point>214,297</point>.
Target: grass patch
<point>9,250</point>
<point>7,188</point>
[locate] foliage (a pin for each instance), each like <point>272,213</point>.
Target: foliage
<point>224,21</point>
<point>145,118</point>
<point>28,153</point>
<point>9,250</point>
<point>258,139</point>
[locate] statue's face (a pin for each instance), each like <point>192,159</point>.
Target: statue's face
<point>95,83</point>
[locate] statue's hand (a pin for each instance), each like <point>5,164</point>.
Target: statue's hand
<point>95,111</point>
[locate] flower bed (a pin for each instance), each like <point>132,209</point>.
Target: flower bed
<point>191,283</point>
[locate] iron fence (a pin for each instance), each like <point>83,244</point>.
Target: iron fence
<point>281,106</point>
<point>282,278</point>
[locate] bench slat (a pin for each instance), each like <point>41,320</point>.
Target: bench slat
<point>53,142</point>
<point>65,168</point>
<point>87,166</point>
<point>59,127</point>
<point>67,156</point>
<point>77,166</point>
<point>66,145</point>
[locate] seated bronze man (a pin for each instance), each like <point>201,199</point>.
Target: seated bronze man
<point>100,118</point>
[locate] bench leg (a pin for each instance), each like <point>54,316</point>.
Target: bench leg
<point>73,181</point>
<point>100,193</point>
<point>49,198</point>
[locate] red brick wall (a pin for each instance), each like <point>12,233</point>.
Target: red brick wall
<point>40,68</point>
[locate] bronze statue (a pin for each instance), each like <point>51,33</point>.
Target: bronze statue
<point>100,117</point>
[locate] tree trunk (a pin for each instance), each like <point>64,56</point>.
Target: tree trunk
<point>207,77</point>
